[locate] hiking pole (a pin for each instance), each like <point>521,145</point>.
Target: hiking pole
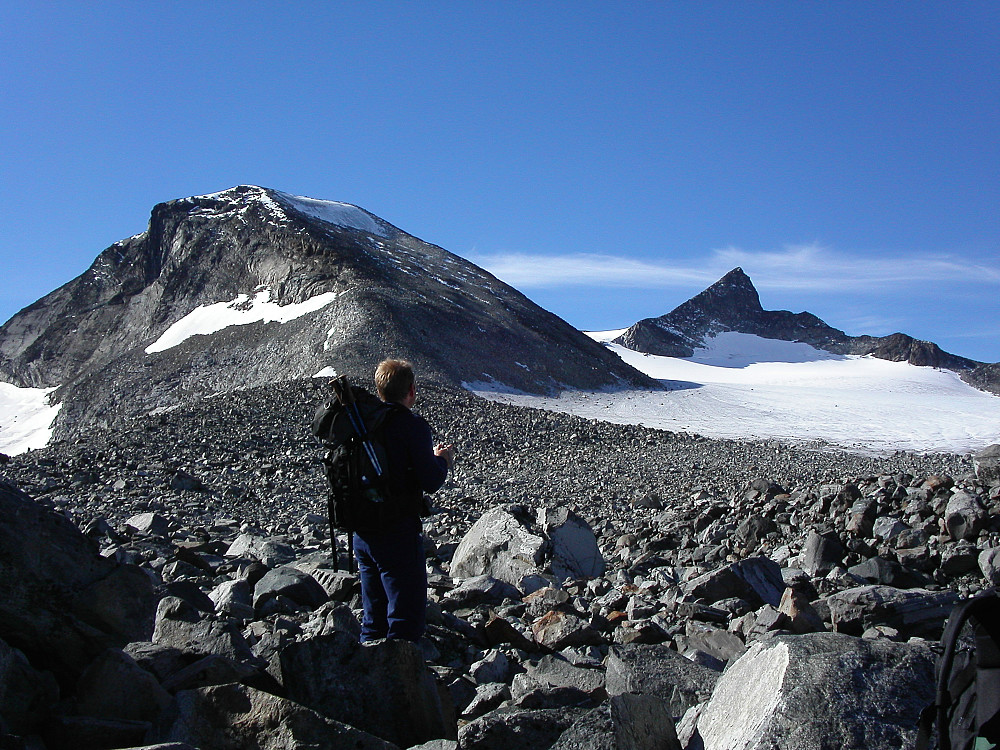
<point>343,391</point>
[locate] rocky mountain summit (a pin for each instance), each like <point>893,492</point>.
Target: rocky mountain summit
<point>733,304</point>
<point>172,583</point>
<point>252,286</point>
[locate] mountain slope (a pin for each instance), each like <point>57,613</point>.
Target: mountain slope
<point>732,304</point>
<point>315,284</point>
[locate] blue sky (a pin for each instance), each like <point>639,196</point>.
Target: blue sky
<point>610,162</point>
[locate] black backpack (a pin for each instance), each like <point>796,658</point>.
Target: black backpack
<point>967,704</point>
<point>350,426</point>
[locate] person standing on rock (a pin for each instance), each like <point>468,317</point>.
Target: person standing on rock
<point>391,559</point>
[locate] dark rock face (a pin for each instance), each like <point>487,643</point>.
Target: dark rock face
<point>55,588</point>
<point>388,294</point>
<point>733,304</point>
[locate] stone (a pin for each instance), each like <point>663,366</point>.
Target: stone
<point>500,544</point>
<point>574,548</point>
<point>861,518</point>
<point>964,517</point>
<point>483,589</point>
<point>487,698</point>
<point>26,694</point>
<point>887,573</point>
<point>888,528</point>
<point>270,553</point>
<point>643,722</point>
<point>210,670</point>
<point>179,625</point>
<point>555,671</point>
<point>181,481</point>
<point>61,603</point>
<point>557,629</point>
<point>290,583</point>
<point>802,616</point>
<point>545,600</point>
<point>235,717</point>
<point>989,564</point>
<point>335,617</point>
<point>339,586</point>
<point>987,464</point>
<point>817,691</point>
<point>92,733</point>
<point>659,671</point>
<point>756,579</point>
<point>714,641</point>
<point>384,689</point>
<point>536,729</point>
<point>113,686</point>
<point>234,598</point>
<point>148,523</point>
<point>493,667</point>
<point>914,612</point>
<point>959,558</point>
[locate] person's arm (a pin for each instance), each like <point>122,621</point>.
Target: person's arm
<point>430,463</point>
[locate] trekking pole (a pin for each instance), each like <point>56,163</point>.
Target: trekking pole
<point>343,391</point>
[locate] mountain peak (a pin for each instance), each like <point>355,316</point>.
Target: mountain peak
<point>734,292</point>
<point>278,204</point>
<point>250,286</point>
<point>730,304</point>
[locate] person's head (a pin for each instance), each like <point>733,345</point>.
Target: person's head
<point>394,381</point>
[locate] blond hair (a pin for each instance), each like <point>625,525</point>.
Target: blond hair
<point>393,379</point>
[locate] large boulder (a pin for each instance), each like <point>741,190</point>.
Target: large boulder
<point>505,729</point>
<point>115,687</point>
<point>25,693</point>
<point>384,689</point>
<point>61,603</point>
<point>500,544</point>
<point>235,717</point>
<point>913,612</point>
<point>179,625</point>
<point>757,580</point>
<point>625,722</point>
<point>987,464</point>
<point>575,552</point>
<point>659,671</point>
<point>818,691</point>
<point>964,516</point>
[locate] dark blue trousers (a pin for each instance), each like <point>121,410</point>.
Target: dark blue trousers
<point>393,581</point>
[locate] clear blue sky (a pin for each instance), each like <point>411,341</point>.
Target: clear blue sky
<point>609,160</point>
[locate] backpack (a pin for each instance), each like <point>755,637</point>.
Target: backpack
<point>350,426</point>
<point>967,704</point>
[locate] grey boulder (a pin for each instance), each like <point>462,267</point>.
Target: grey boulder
<point>817,691</point>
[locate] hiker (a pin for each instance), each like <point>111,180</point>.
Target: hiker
<point>391,560</point>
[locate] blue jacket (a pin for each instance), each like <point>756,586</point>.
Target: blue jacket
<point>412,469</point>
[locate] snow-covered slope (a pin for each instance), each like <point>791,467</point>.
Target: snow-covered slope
<point>26,418</point>
<point>746,387</point>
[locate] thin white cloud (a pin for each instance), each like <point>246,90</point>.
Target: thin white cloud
<point>793,267</point>
<point>524,270</point>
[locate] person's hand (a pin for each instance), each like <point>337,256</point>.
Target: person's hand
<point>447,452</point>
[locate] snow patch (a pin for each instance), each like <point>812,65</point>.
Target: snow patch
<point>604,337</point>
<point>326,372</point>
<point>26,418</point>
<point>747,388</point>
<point>333,212</point>
<point>243,310</point>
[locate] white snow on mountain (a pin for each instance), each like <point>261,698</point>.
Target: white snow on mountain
<point>25,418</point>
<point>333,212</point>
<point>243,310</point>
<point>749,388</point>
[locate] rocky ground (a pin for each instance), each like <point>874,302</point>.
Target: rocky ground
<point>650,545</point>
